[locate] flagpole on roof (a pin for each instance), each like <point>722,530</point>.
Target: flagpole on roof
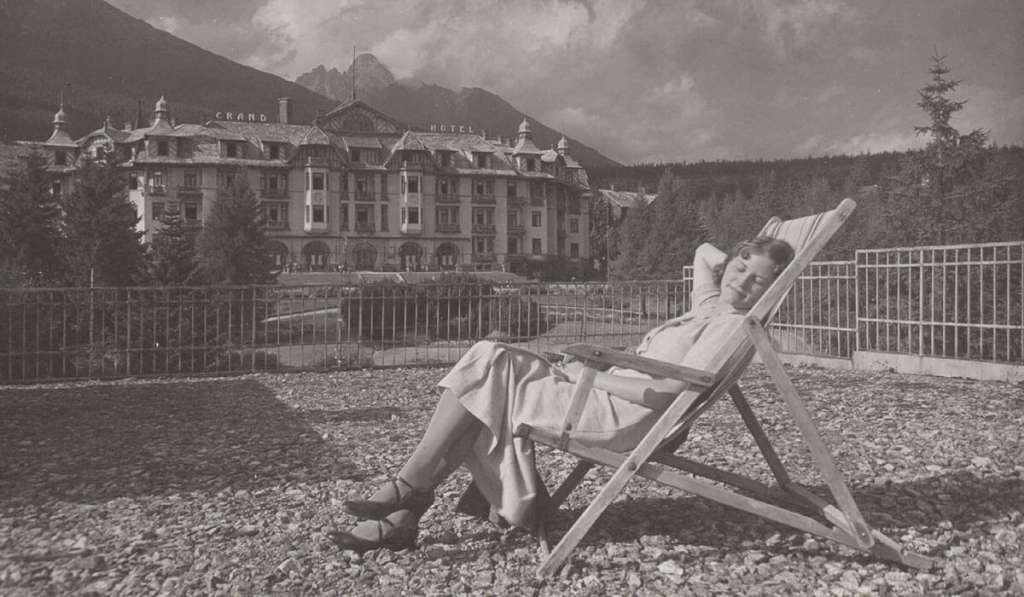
<point>353,72</point>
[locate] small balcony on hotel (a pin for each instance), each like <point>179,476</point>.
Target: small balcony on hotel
<point>189,192</point>
<point>516,229</point>
<point>515,201</point>
<point>446,198</point>
<point>449,228</point>
<point>483,198</point>
<point>368,196</point>
<point>268,193</point>
<point>484,229</point>
<point>364,228</point>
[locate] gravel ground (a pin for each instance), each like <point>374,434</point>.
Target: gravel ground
<point>227,485</point>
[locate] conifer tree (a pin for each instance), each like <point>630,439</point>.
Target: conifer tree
<point>29,225</point>
<point>231,248</point>
<point>172,254</point>
<point>102,246</point>
<point>933,196</point>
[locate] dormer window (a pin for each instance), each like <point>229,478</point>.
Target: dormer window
<point>162,148</point>
<point>481,160</point>
<point>231,150</point>
<point>530,164</point>
<point>274,151</point>
<point>445,158</point>
<point>356,154</point>
<point>60,157</point>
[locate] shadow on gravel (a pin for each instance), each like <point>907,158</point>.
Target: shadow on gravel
<point>960,497</point>
<point>353,415</point>
<point>94,443</point>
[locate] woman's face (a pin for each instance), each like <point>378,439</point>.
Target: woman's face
<point>745,279</point>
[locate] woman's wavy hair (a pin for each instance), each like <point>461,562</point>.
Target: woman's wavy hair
<point>779,251</point>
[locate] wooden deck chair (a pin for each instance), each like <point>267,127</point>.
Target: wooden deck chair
<point>654,457</point>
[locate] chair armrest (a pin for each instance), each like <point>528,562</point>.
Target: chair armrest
<point>592,353</point>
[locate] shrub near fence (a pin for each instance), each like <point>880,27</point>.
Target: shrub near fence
<point>961,301</point>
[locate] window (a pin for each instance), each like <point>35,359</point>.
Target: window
<point>156,181</point>
<point>190,211</point>
<point>319,181</point>
<point>133,181</point>
<point>229,179</point>
<point>362,215</point>
<point>537,189</point>
<point>184,148</point>
<point>574,250</point>
<point>191,178</point>
<point>448,215</point>
<point>411,184</point>
<point>231,150</point>
<point>481,160</point>
<point>444,187</point>
<point>535,218</point>
<point>274,151</point>
<point>319,214</point>
<point>513,245</point>
<point>483,244</point>
<point>483,187</point>
<point>529,164</point>
<point>410,215</point>
<point>55,188</point>
<point>362,185</point>
<point>384,186</point>
<point>483,216</point>
<point>162,148</point>
<point>513,189</point>
<point>158,210</point>
<point>574,225</point>
<point>355,154</point>
<point>535,246</point>
<point>384,217</point>
<point>513,218</point>
<point>445,158</point>
<point>276,214</point>
<point>60,158</point>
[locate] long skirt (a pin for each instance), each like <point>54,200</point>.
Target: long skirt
<point>504,386</point>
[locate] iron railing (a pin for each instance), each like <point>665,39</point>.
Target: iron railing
<point>959,301</point>
<point>964,302</point>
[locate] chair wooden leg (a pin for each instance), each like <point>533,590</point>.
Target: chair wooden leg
<point>819,452</point>
<point>618,481</point>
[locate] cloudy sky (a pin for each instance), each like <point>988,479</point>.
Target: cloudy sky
<point>649,80</point>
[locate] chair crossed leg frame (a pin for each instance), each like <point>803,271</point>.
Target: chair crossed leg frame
<point>843,521</point>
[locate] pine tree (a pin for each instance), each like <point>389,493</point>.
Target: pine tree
<point>231,247</point>
<point>172,254</point>
<point>102,246</point>
<point>933,196</point>
<point>29,225</point>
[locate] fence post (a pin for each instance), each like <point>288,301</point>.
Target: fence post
<point>920,302</point>
<point>128,334</point>
<point>856,303</point>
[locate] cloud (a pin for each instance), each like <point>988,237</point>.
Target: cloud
<point>993,110</point>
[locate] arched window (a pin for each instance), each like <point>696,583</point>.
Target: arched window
<point>315,255</point>
<point>411,255</point>
<point>447,256</point>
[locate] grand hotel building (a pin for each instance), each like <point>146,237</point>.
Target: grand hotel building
<point>356,189</point>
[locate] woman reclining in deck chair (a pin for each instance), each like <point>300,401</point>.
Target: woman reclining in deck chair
<point>495,387</point>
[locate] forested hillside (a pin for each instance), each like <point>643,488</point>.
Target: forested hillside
<point>958,189</point>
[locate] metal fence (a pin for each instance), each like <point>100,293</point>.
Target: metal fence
<point>956,301</point>
<point>961,302</point>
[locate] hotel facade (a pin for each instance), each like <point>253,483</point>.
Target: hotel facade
<point>356,189</point>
